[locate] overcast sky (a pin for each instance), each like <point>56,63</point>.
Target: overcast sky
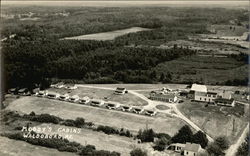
<point>181,3</point>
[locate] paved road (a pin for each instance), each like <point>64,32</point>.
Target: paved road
<point>233,148</point>
<point>243,103</point>
<point>152,104</point>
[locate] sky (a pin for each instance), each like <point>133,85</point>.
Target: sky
<point>131,3</point>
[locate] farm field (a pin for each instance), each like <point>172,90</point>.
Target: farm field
<point>204,47</point>
<point>100,140</point>
<point>107,35</point>
<point>133,122</point>
<point>107,95</point>
<point>207,70</point>
<point>12,147</point>
<point>216,121</point>
<point>228,30</point>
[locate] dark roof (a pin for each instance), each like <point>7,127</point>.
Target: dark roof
<point>192,147</point>
<point>201,93</point>
<point>224,100</point>
<point>162,95</point>
<point>214,93</point>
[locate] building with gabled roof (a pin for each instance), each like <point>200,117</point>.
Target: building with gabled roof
<point>196,88</point>
<point>165,97</point>
<point>191,149</point>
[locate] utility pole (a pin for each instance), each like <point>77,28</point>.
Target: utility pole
<point>233,124</point>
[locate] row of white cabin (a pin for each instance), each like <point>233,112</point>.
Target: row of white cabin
<point>95,102</point>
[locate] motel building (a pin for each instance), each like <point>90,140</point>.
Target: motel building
<point>205,96</point>
<point>201,94</point>
<point>159,96</point>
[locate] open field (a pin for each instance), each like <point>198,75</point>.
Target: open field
<point>216,121</point>
<point>100,140</point>
<point>107,35</point>
<point>107,95</point>
<point>13,147</point>
<point>207,70</point>
<point>228,30</point>
<point>133,122</point>
<point>141,87</point>
<point>206,48</point>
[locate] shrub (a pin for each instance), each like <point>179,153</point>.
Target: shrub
<point>222,142</point>
<point>146,135</point>
<point>107,129</point>
<point>138,152</point>
<point>79,122</point>
<point>47,118</point>
<point>184,135</point>
<point>67,148</point>
<point>32,113</point>
<point>200,138</point>
<point>69,122</point>
<point>160,144</point>
<point>244,148</point>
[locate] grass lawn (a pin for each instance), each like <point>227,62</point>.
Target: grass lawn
<point>13,147</point>
<point>133,122</point>
<point>107,95</point>
<point>100,140</point>
<point>162,107</point>
<point>215,120</point>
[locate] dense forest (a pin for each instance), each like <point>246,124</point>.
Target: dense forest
<point>36,53</point>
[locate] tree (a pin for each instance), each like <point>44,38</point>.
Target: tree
<point>138,152</point>
<point>153,75</point>
<point>218,147</point>
<point>160,144</point>
<point>146,135</point>
<point>162,77</point>
<point>214,150</point>
<point>243,150</point>
<point>222,142</point>
<point>200,138</point>
<point>184,135</point>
